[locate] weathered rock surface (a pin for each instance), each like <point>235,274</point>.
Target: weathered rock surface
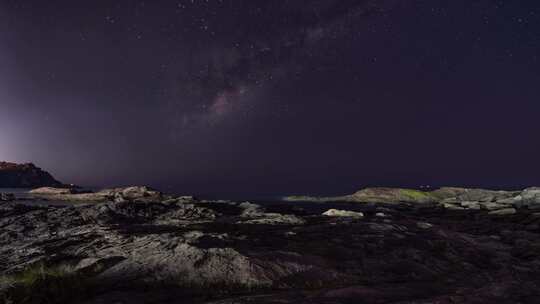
<point>506,211</point>
<point>343,213</point>
<point>139,246</point>
<point>52,191</point>
<point>25,176</point>
<point>392,195</point>
<point>136,193</point>
<point>451,198</point>
<point>7,197</point>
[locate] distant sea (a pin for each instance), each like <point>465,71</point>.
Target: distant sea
<point>22,194</point>
<point>19,192</point>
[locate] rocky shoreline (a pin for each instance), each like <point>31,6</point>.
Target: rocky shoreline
<point>453,198</point>
<point>137,245</point>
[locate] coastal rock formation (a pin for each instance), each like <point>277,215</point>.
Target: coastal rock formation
<point>470,194</point>
<point>447,197</point>
<point>52,191</point>
<point>136,193</point>
<point>140,246</point>
<point>7,197</point>
<point>343,213</point>
<point>392,195</point>
<point>25,176</point>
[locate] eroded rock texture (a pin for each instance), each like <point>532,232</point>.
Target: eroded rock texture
<point>145,248</point>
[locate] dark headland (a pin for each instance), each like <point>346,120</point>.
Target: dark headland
<point>25,176</point>
<point>378,245</point>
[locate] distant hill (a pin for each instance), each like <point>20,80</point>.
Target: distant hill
<point>25,176</point>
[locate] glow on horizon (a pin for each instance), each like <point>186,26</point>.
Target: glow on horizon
<point>7,151</point>
<point>11,135</point>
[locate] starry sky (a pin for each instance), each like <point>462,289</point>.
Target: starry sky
<point>258,98</point>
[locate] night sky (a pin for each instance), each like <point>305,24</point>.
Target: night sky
<point>256,97</point>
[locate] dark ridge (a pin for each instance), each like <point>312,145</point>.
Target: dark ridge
<point>26,175</point>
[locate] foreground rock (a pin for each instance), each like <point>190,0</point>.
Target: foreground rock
<point>25,176</point>
<point>7,197</point>
<point>139,246</point>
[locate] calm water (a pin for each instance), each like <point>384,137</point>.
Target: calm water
<point>270,204</point>
<point>19,192</point>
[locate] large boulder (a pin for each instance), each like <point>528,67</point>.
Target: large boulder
<point>141,193</point>
<point>25,176</point>
<point>529,198</point>
<point>343,213</point>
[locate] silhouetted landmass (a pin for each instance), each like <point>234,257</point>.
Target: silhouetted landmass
<point>25,176</point>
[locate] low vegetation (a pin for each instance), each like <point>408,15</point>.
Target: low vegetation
<point>42,284</point>
<point>416,195</point>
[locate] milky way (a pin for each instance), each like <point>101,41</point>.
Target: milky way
<point>248,46</point>
<point>264,97</point>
